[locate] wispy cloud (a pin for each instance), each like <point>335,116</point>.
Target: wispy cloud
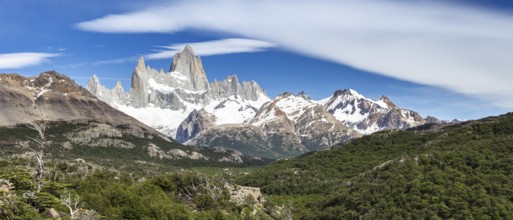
<point>21,60</point>
<point>215,47</point>
<point>115,61</point>
<point>100,62</point>
<point>206,48</point>
<point>463,49</point>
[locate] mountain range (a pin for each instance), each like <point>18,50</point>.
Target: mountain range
<point>419,168</point>
<point>76,122</point>
<point>164,99</point>
<point>182,104</point>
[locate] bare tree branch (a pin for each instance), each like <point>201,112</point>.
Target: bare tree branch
<point>71,202</point>
<point>39,151</point>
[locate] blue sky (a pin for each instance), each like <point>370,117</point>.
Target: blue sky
<point>450,60</point>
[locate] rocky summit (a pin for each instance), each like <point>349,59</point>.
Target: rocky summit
<point>164,99</point>
<point>367,116</point>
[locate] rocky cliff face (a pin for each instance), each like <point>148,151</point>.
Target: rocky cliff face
<point>190,67</point>
<point>231,87</point>
<point>164,99</point>
<point>115,95</point>
<point>197,121</point>
<point>366,115</point>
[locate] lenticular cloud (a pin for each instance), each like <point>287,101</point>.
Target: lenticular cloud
<point>215,47</point>
<point>21,60</point>
<point>463,49</point>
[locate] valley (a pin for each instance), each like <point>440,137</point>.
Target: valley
<point>176,146</point>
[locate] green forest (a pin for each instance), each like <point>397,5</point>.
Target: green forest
<point>461,171</point>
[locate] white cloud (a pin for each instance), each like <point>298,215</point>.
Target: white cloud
<point>116,61</point>
<point>206,48</point>
<point>463,49</point>
<point>21,60</point>
<point>215,47</point>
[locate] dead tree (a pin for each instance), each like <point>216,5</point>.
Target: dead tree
<point>38,150</point>
<point>72,203</point>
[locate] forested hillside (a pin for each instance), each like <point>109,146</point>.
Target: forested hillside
<point>459,171</point>
<point>64,171</point>
<point>82,190</point>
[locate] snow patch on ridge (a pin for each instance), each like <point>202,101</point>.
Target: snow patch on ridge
<point>42,92</point>
<point>323,101</point>
<point>179,76</point>
<point>346,116</point>
<point>160,87</point>
<point>294,106</point>
<point>163,120</point>
<point>269,116</point>
<point>231,111</point>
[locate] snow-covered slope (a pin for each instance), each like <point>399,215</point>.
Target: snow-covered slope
<point>230,111</point>
<point>163,100</point>
<point>366,115</point>
<point>289,125</point>
<point>315,127</point>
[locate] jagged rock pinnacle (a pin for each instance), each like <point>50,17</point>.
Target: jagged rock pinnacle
<point>188,50</point>
<point>95,79</point>
<point>118,85</point>
<point>191,67</point>
<point>304,95</point>
<point>140,64</point>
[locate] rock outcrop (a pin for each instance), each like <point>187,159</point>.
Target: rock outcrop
<point>245,195</point>
<point>196,122</point>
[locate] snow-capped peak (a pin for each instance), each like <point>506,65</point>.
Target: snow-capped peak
<point>386,102</point>
<point>287,104</point>
<point>348,97</point>
<point>366,115</point>
<point>163,100</point>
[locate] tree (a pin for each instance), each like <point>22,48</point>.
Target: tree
<point>71,202</point>
<point>40,141</point>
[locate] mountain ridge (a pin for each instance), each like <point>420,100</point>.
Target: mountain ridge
<point>366,115</point>
<point>176,94</point>
<point>79,122</point>
<point>182,104</point>
<point>289,125</point>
